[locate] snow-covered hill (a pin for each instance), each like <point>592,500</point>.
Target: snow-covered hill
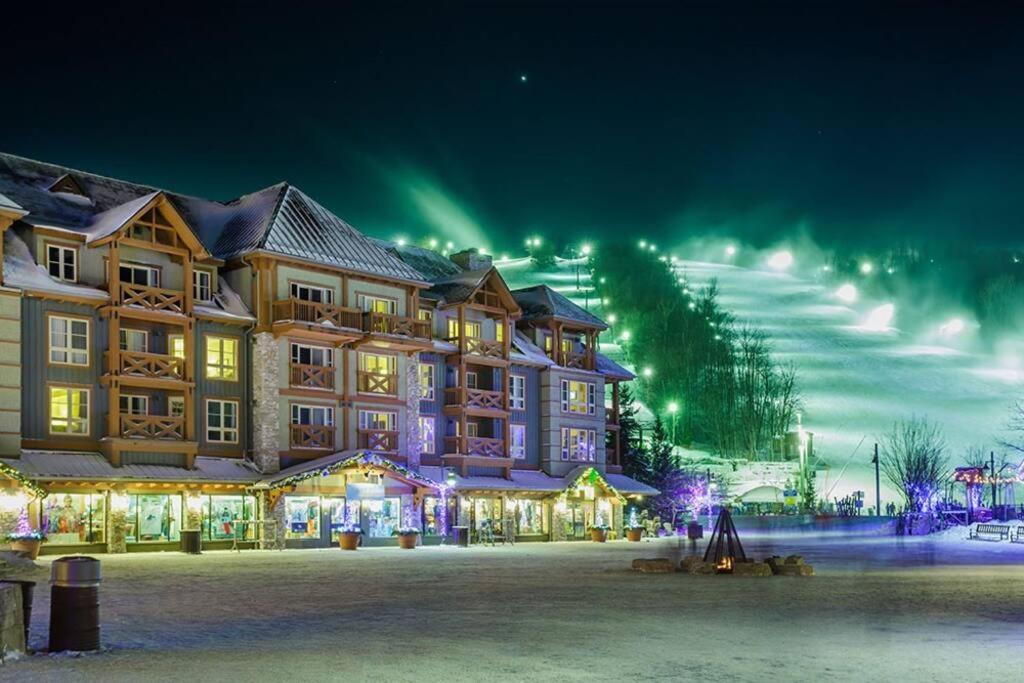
<point>859,370</point>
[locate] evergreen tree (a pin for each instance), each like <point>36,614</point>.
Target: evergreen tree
<point>635,460</point>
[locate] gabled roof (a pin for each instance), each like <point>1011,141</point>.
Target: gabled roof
<point>461,287</point>
<point>284,220</point>
<point>429,263</point>
<point>9,205</point>
<point>541,301</point>
<point>606,366</point>
<point>525,351</point>
<point>329,464</point>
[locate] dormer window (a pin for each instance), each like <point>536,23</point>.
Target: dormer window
<point>202,285</point>
<point>62,262</point>
<point>67,185</point>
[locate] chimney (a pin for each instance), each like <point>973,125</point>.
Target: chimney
<point>471,259</point>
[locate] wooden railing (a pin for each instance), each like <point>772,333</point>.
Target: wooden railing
<point>153,365</point>
<point>373,383</point>
<point>153,298</point>
<point>152,427</point>
<point>377,440</point>
<point>575,359</point>
<point>611,450</point>
<point>312,436</point>
<point>384,323</point>
<point>312,376</point>
<point>482,347</point>
<point>300,310</point>
<point>482,399</point>
<point>611,416</point>
<point>476,445</point>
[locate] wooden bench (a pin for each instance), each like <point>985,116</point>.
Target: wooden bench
<point>990,532</point>
<point>1019,537</point>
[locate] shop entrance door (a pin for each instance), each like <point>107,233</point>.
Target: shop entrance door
<point>579,519</point>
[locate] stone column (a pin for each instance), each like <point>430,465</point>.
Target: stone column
<point>275,514</point>
<point>265,384</point>
<point>413,391</point>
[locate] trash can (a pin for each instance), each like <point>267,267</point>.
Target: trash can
<point>27,591</point>
<point>191,542</point>
<point>74,604</point>
<point>694,530</point>
<point>460,536</point>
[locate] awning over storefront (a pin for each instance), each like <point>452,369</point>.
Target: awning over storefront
<point>331,464</point>
<point>533,481</point>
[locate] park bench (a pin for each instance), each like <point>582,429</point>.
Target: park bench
<point>990,532</point>
<point>1019,537</point>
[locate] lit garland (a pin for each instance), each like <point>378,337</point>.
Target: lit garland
<point>590,477</point>
<point>23,480</point>
<point>363,459</point>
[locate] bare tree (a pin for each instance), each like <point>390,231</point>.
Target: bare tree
<point>913,458</point>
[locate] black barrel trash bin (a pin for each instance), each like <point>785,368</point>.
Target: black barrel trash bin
<point>460,536</point>
<point>75,604</point>
<point>191,542</point>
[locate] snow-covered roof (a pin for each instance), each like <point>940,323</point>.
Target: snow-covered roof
<point>49,465</point>
<point>9,204</point>
<point>628,485</point>
<point>110,221</point>
<point>525,351</point>
<point>21,271</point>
<point>428,262</point>
<point>540,301</point>
<point>226,305</point>
<point>606,366</point>
<point>535,481</point>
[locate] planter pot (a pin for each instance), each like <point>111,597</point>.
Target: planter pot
<point>407,541</point>
<point>598,535</point>
<point>634,535</point>
<point>348,540</point>
<point>28,546</point>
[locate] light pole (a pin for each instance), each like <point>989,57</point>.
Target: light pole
<point>878,489</point>
<point>673,409</point>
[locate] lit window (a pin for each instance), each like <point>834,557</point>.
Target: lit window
<point>62,262</point>
<point>499,330</point>
<point>221,358</point>
<point>202,285</point>
<point>176,406</point>
<point>69,341</point>
<point>176,345</point>
<point>377,420</point>
<point>427,434</point>
<point>472,379</point>
<point>578,444</point>
<point>136,341</point>
<point>517,446</point>
<point>69,410</point>
<point>578,397</point>
<point>426,381</point>
<point>320,295</point>
<point>377,374</point>
<point>425,314</point>
<point>473,329</point>
<point>222,421</point>
<point>375,304</point>
<point>517,392</point>
<point>134,405</point>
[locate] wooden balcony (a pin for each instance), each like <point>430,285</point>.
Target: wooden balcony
<point>476,399</point>
<point>152,427</point>
<point>612,457</point>
<point>579,360</point>
<point>611,417</point>
<point>312,376</point>
<point>299,310</point>
<point>383,323</point>
<point>373,383</point>
<point>479,446</point>
<point>150,365</point>
<point>312,436</point>
<point>153,298</point>
<point>379,440</point>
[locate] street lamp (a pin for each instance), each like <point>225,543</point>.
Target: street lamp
<point>647,372</point>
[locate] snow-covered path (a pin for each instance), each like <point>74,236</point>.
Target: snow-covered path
<point>555,611</point>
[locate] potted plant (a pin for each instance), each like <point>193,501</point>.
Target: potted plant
<point>407,537</point>
<point>24,538</point>
<point>634,534</point>
<point>599,533</point>
<point>348,536</point>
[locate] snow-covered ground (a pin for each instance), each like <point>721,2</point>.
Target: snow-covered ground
<point>878,609</point>
<point>859,369</point>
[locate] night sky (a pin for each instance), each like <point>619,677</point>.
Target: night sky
<point>859,124</point>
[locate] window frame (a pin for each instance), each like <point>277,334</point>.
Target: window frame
<point>296,358</point>
<point>516,402</point>
<point>295,288</point>
<point>365,302</point>
<point>428,446</point>
<point>588,403</point>
<point>154,270</point>
<point>171,401</point>
<point>124,331</point>
<point>170,345</point>
<point>428,393</point>
<point>197,287</point>
<point>312,407</point>
<point>62,262</point>
<point>68,350</point>
<point>392,420</point>
<point>207,427</point>
<point>514,451</point>
<point>206,357</point>
<point>567,445</point>
<point>143,398</point>
<point>87,420</point>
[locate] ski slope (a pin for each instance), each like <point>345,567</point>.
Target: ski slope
<point>859,371</point>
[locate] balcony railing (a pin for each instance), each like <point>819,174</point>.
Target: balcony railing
<point>374,383</point>
<point>482,347</point>
<point>312,376</point>
<point>575,359</point>
<point>377,440</point>
<point>481,399</point>
<point>476,445</point>
<point>300,310</point>
<point>611,416</point>
<point>383,323</point>
<point>152,427</point>
<point>153,298</point>
<point>611,452</point>
<point>151,365</point>
<point>312,436</point>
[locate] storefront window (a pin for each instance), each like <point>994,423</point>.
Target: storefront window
<point>303,516</point>
<point>383,515</point>
<point>342,514</point>
<point>71,518</point>
<point>529,516</point>
<point>153,518</point>
<point>433,516</point>
<point>487,512</point>
<point>225,516</point>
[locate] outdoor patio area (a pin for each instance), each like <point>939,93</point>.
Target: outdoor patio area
<point>911,609</point>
